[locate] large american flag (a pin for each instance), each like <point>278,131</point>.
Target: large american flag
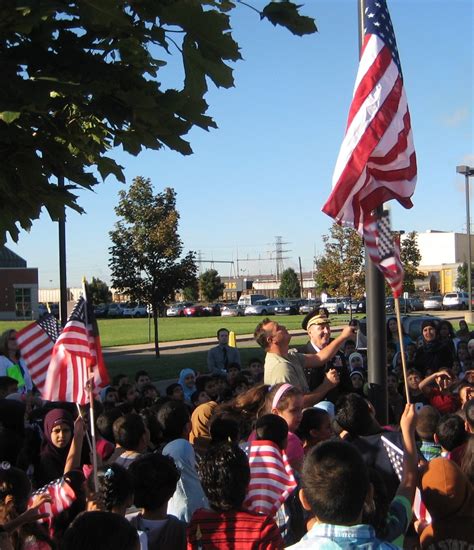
<point>377,160</point>
<point>36,342</point>
<point>384,251</point>
<point>77,357</point>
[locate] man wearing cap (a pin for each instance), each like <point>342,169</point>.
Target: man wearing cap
<point>285,365</point>
<point>317,325</point>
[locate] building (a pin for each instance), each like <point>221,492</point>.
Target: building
<point>442,252</point>
<point>18,287</point>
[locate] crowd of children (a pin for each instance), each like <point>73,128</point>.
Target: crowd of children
<point>224,461</point>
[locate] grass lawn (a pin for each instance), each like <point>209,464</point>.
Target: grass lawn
<point>120,332</point>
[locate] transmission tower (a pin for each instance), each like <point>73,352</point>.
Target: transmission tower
<point>279,257</point>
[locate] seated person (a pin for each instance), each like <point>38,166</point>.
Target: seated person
<point>225,475</point>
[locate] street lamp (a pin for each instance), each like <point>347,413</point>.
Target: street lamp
<point>468,171</point>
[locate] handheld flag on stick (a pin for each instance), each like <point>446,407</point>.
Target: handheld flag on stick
<point>76,354</point>
<point>377,160</point>
<point>36,342</point>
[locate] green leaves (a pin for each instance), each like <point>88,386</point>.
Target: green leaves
<point>9,116</point>
<point>286,14</point>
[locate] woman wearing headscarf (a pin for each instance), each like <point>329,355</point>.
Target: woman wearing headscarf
<point>392,334</point>
<point>449,498</point>
<point>187,380</point>
<point>433,355</point>
<point>61,447</point>
<point>11,364</point>
<point>200,436</point>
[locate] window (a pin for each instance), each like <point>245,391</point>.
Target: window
<point>23,302</point>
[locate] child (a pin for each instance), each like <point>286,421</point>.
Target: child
<point>155,478</point>
<point>271,476</point>
<point>187,380</point>
<point>357,380</point>
<point>395,400</point>
<point>440,394</point>
<point>356,361</point>
<point>287,401</point>
<point>225,475</point>
<point>428,418</point>
<point>315,426</point>
<point>8,385</point>
<point>199,398</point>
<point>256,369</point>
<point>115,490</point>
<point>141,379</point>
<point>175,391</point>
<point>208,384</point>
<point>451,435</point>
<point>132,435</point>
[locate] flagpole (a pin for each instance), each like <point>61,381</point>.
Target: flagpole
<point>375,309</point>
<point>402,347</point>
<point>90,385</point>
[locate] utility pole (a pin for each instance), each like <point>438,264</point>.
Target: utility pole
<point>279,256</point>
<point>301,277</point>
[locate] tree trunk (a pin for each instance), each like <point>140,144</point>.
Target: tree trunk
<point>155,325</point>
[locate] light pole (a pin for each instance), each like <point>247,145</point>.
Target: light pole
<point>468,171</point>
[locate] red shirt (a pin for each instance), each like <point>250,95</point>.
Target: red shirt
<point>445,403</point>
<point>233,530</point>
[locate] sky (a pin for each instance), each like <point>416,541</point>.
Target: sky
<point>267,170</point>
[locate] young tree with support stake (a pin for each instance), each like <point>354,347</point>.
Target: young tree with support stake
<point>146,256</point>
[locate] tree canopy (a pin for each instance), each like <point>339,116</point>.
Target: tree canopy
<point>340,268</point>
<point>411,257</point>
<point>99,291</point>
<point>289,284</point>
<point>80,78</point>
<point>146,255</point>
<point>210,285</point>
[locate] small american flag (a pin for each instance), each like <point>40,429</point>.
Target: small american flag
<point>36,342</point>
<point>384,252</point>
<point>76,356</point>
<point>377,160</point>
<point>395,455</point>
<point>62,496</point>
<point>271,478</point>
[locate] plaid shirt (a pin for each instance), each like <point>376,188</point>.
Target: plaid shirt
<point>430,450</point>
<point>324,536</point>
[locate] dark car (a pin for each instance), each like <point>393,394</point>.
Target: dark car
<point>405,305</point>
<point>213,309</point>
<point>289,307</point>
<point>101,310</point>
<point>357,306</point>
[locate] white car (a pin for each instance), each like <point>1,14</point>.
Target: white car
<point>177,310</point>
<point>433,303</point>
<point>456,300</point>
<point>335,305</point>
<point>263,307</point>
<point>135,310</point>
<point>231,310</point>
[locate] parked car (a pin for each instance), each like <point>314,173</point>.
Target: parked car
<point>195,310</point>
<point>263,307</point>
<point>416,303</point>
<point>356,305</point>
<point>135,310</point>
<point>213,309</point>
<point>433,302</point>
<point>405,305</point>
<point>231,310</point>
<point>177,310</point>
<point>251,299</point>
<point>289,307</point>
<point>309,305</point>
<point>115,310</point>
<point>456,300</point>
<point>101,310</point>
<point>335,305</point>
<point>42,310</point>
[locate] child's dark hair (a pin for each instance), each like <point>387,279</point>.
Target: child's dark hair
<point>312,420</point>
<point>225,474</point>
<point>450,432</point>
<point>123,390</point>
<point>128,431</point>
<point>13,482</point>
<point>154,478</point>
<point>201,382</point>
<point>173,417</point>
<point>114,485</point>
<point>283,399</point>
<point>426,422</point>
<point>224,429</point>
<point>353,414</point>
<point>170,389</point>
<point>116,379</point>
<point>469,412</point>
<point>335,482</point>
<point>6,382</point>
<point>105,422</point>
<point>99,531</point>
<point>141,373</point>
<point>273,428</point>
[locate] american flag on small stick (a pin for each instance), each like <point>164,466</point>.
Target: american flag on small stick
<point>61,496</point>
<point>36,342</point>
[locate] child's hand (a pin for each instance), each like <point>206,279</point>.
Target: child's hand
<point>408,420</point>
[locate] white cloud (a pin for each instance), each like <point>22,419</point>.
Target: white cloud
<point>456,118</point>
